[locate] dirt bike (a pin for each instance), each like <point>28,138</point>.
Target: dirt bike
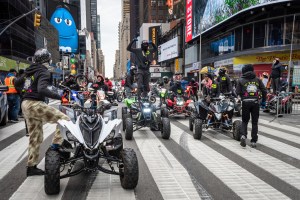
<point>96,138</point>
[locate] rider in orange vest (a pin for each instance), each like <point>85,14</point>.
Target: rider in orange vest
<point>13,97</point>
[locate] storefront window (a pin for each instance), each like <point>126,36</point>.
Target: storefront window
<point>238,39</point>
<point>289,30</point>
<point>247,36</point>
<point>276,32</point>
<point>260,34</point>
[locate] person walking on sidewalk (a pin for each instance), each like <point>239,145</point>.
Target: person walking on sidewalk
<point>249,88</point>
<point>36,112</point>
<point>13,98</point>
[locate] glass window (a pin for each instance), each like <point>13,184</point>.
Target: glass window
<point>247,36</point>
<point>289,30</point>
<point>238,39</point>
<point>275,32</point>
<point>260,34</point>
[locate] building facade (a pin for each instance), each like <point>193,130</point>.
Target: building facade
<point>117,67</point>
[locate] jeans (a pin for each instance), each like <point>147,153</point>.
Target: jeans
<point>276,85</point>
<point>250,108</point>
<point>13,106</point>
<point>143,79</point>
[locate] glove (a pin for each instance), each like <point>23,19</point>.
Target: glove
<point>263,104</point>
<point>135,39</point>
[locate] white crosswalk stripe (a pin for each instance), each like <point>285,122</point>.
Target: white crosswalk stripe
<point>170,176</point>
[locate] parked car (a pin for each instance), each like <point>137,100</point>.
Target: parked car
<point>3,105</point>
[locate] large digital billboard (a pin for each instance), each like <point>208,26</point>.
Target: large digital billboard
<point>208,13</point>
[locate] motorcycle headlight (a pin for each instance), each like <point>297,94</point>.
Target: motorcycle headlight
<point>71,137</point>
<point>180,103</point>
<point>147,110</point>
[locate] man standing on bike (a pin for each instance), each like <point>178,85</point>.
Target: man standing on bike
<point>34,82</point>
<point>129,81</point>
<point>143,61</point>
<point>224,81</point>
<point>249,88</point>
<point>275,75</point>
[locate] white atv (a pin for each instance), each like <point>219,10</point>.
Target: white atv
<point>96,138</point>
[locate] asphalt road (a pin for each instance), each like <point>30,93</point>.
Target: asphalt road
<point>216,167</point>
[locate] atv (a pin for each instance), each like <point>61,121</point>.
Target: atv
<point>145,116</point>
<point>214,113</point>
<point>93,136</point>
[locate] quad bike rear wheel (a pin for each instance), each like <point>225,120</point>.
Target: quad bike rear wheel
<point>128,128</point>
<point>198,129</point>
<point>166,128</point>
<point>52,172</point>
<point>130,172</point>
<point>236,130</point>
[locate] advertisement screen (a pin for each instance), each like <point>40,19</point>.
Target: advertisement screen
<point>153,36</point>
<point>168,50</point>
<point>224,45</point>
<point>208,13</point>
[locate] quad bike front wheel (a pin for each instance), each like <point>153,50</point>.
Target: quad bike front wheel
<point>191,123</point>
<point>124,117</point>
<point>128,128</point>
<point>198,129</point>
<point>166,128</point>
<point>52,172</point>
<point>130,172</point>
<point>236,130</point>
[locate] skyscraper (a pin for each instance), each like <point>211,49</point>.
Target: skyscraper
<point>98,33</point>
<point>94,18</point>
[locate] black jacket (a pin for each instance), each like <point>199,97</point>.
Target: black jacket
<point>276,70</point>
<point>225,83</point>
<point>214,91</point>
<point>250,81</point>
<point>129,80</point>
<point>177,89</point>
<point>143,61</point>
<point>41,80</point>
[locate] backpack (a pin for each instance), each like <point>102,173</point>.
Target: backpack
<point>28,81</point>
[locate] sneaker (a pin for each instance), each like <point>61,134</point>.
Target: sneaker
<point>253,144</point>
<point>34,171</point>
<point>14,121</point>
<point>243,141</point>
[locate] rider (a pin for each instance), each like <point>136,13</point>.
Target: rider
<point>249,88</point>
<point>71,83</point>
<point>143,61</point>
<point>176,89</point>
<point>224,81</point>
<point>195,86</point>
<point>166,83</point>
<point>211,87</point>
<point>129,81</point>
<point>109,84</point>
<point>35,83</point>
<point>99,84</point>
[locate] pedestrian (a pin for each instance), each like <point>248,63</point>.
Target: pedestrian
<point>144,59</point>
<point>276,75</point>
<point>35,82</point>
<point>13,97</point>
<point>249,88</point>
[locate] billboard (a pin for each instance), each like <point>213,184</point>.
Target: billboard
<point>222,46</point>
<point>153,36</point>
<point>208,13</point>
<point>168,50</point>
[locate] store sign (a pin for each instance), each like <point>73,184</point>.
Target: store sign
<point>168,50</point>
<point>158,69</point>
<point>178,66</point>
<point>296,76</point>
<point>266,58</point>
<point>189,21</point>
<point>153,36</point>
<point>223,62</point>
<point>155,75</point>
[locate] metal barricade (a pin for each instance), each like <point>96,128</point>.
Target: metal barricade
<point>288,104</point>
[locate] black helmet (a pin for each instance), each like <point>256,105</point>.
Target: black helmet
<point>42,56</point>
<point>222,71</point>
<point>193,80</point>
<point>166,79</point>
<point>144,45</point>
<point>132,69</point>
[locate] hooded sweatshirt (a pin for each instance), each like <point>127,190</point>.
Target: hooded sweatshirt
<point>40,77</point>
<point>249,86</point>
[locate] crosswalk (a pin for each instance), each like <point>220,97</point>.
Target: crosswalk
<point>215,167</point>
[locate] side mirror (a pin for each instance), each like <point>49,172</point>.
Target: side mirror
<point>3,88</point>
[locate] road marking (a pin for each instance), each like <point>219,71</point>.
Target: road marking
<point>54,102</point>
<point>281,126</point>
<point>108,187</point>
<point>11,155</point>
<point>33,188</point>
<point>173,182</point>
<point>10,130</point>
<point>243,183</point>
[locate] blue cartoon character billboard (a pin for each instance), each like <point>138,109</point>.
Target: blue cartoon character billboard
<point>63,21</point>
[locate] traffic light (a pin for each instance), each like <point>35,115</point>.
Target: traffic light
<point>37,20</point>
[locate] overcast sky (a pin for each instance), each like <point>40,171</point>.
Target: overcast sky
<point>110,16</point>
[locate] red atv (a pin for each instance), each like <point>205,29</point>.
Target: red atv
<point>177,107</point>
<point>283,100</point>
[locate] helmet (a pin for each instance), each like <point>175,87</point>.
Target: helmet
<point>222,71</point>
<point>42,56</point>
<point>132,69</point>
<point>144,45</point>
<point>166,79</point>
<point>178,82</point>
<point>193,80</point>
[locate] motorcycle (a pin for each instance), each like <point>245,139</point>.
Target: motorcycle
<point>71,97</point>
<point>154,93</point>
<point>283,101</point>
<point>214,113</point>
<point>96,137</point>
<point>120,94</point>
